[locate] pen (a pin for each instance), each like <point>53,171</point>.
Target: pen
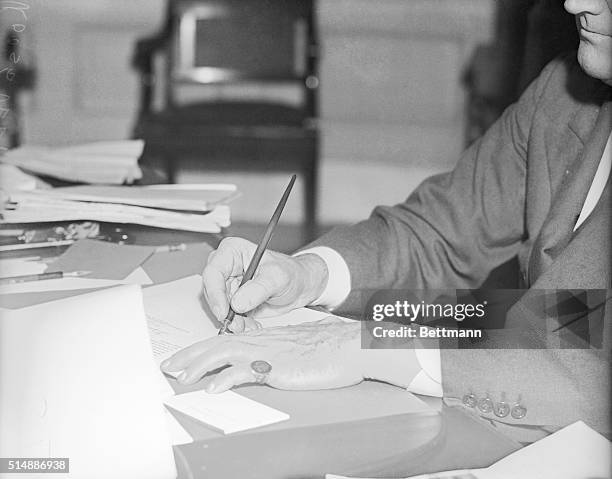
<point>261,248</point>
<point>42,276</point>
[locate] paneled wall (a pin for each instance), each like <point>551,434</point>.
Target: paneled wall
<point>391,99</point>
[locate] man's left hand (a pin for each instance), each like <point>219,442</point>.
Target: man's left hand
<point>319,355</point>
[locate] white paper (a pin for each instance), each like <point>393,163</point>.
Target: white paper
<point>176,316</point>
<point>105,162</point>
<point>178,434</point>
<point>456,474</point>
<point>227,412</point>
<point>138,276</point>
<point>76,378</point>
<point>33,208</point>
<point>12,178</point>
<point>62,284</point>
<point>574,452</point>
<point>184,197</point>
<point>297,316</point>
<point>19,267</point>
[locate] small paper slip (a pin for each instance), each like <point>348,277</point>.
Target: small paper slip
<point>227,412</point>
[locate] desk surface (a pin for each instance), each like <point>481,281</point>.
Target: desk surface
<point>396,444</point>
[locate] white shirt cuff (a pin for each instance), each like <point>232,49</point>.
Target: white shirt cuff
<point>429,380</point>
<point>339,277</point>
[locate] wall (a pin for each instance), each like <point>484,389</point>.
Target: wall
<point>391,98</point>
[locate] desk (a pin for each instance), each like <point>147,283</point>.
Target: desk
<point>303,447</point>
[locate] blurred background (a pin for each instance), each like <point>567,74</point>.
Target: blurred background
<point>402,87</point>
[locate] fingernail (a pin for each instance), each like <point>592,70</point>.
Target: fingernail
<point>217,312</point>
<point>165,364</point>
<point>210,388</point>
<point>181,377</point>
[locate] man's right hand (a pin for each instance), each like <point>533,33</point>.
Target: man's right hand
<point>280,284</point>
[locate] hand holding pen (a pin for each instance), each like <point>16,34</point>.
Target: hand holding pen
<point>280,283</point>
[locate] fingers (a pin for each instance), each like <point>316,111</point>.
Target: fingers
<point>181,359</point>
<point>229,260</point>
<point>270,281</point>
<point>241,324</point>
<point>230,377</point>
<point>203,364</point>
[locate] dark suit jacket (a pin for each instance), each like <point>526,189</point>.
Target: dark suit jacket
<point>516,191</point>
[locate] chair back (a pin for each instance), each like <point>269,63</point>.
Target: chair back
<point>226,42</point>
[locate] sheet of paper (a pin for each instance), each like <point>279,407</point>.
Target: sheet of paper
<point>104,162</point>
<point>178,434</point>
<point>32,208</point>
<point>457,474</point>
<point>576,451</point>
<point>63,284</point>
<point>185,197</point>
<point>177,316</point>
<point>105,260</point>
<point>227,412</point>
<point>12,178</point>
<point>138,276</point>
<point>107,399</point>
<point>18,267</point>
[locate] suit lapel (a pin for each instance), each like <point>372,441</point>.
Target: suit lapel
<point>585,261</point>
<point>556,232</point>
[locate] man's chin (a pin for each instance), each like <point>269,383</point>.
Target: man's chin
<point>596,61</point>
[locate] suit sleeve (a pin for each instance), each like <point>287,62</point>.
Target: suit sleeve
<point>455,227</point>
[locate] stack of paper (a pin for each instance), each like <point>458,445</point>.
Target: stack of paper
<point>180,207</point>
<point>105,162</point>
<point>197,198</point>
<point>12,178</point>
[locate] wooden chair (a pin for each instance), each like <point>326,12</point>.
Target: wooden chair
<point>234,45</point>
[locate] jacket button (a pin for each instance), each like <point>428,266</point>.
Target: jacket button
<point>518,412</point>
<point>470,400</point>
<point>485,405</point>
<point>502,409</point>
